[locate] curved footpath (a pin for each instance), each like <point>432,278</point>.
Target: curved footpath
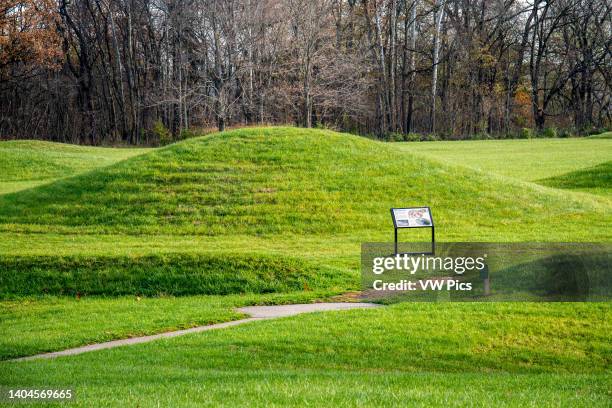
<point>256,313</point>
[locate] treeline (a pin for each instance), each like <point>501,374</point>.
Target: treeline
<point>96,71</point>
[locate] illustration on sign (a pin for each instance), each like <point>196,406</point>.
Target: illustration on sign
<point>412,217</point>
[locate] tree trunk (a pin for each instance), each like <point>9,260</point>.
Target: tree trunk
<point>438,16</point>
<point>307,97</point>
<point>392,65</point>
<point>409,126</point>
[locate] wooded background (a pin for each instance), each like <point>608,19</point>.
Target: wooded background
<point>135,71</point>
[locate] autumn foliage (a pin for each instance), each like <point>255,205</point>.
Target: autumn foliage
<point>93,71</point>
<point>28,35</point>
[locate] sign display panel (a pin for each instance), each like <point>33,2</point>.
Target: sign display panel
<point>412,217</point>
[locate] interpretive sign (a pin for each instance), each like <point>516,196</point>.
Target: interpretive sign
<point>415,217</point>
<point>412,217</point>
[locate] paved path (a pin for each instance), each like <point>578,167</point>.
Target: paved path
<point>256,313</point>
<point>270,312</point>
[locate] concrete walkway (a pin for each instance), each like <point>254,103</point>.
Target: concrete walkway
<point>256,313</point>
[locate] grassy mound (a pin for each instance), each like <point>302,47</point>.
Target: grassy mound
<point>596,179</point>
<point>29,163</point>
<point>178,275</point>
<point>308,196</point>
<point>280,181</point>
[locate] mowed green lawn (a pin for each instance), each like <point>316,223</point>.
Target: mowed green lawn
<point>407,354</point>
<point>39,325</point>
<point>30,163</point>
<point>530,159</point>
<point>295,204</point>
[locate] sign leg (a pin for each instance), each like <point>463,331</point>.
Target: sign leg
<point>433,240</point>
<point>396,252</point>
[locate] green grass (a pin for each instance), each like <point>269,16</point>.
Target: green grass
<point>280,181</point>
<point>597,180</point>
<point>278,210</point>
<point>407,354</point>
<point>256,211</point>
<point>606,135</point>
<point>155,275</point>
<point>529,159</point>
<point>309,197</point>
<point>29,163</point>
<point>37,325</point>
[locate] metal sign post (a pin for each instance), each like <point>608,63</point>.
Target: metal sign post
<point>415,217</point>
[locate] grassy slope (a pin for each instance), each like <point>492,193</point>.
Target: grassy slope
<point>282,181</point>
<point>606,135</point>
<point>258,194</point>
<point>159,275</point>
<point>597,179</point>
<point>30,163</point>
<point>528,160</point>
<point>407,354</point>
<point>277,188</point>
<point>225,188</point>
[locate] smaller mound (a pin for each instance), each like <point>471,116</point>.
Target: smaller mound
<point>155,275</point>
<point>606,135</point>
<point>596,180</point>
<point>30,163</point>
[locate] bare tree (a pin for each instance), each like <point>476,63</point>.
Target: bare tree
<point>137,71</point>
<point>438,16</point>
